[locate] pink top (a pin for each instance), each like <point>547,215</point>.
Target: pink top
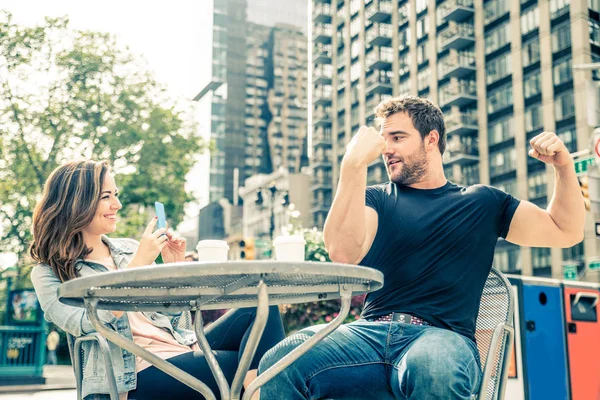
<point>152,338</point>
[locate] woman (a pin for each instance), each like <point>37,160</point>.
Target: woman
<point>78,209</point>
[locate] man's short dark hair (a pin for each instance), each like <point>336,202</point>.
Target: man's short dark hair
<point>425,115</point>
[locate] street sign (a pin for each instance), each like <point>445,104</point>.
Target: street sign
<point>594,264</point>
<point>582,165</point>
<point>570,272</point>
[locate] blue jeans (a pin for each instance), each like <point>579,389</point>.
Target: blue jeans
<point>377,360</point>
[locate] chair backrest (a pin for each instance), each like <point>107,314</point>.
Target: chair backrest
<point>495,325</point>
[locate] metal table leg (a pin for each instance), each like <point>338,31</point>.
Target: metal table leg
<point>262,314</point>
<point>299,351</point>
<point>130,346</point>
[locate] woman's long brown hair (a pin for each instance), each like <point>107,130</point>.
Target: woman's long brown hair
<point>68,205</point>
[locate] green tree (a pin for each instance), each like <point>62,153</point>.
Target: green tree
<point>67,95</point>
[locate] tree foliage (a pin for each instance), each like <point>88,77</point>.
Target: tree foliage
<point>68,95</point>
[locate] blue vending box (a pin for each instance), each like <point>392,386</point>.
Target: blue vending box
<point>543,340</point>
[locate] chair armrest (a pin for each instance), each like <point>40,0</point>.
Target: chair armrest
<point>108,365</point>
<point>490,359</point>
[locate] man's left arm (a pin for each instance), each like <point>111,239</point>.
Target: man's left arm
<point>562,223</point>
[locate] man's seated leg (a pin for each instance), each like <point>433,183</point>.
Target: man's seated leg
<point>438,364</point>
<point>347,364</point>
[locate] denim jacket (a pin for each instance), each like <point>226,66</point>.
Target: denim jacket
<point>74,320</point>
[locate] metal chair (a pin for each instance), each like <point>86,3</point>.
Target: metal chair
<point>76,359</point>
<point>494,334</point>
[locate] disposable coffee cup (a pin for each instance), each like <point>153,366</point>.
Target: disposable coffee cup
<point>289,248</point>
<point>212,250</point>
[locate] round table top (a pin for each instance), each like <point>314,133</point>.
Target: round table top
<point>217,285</point>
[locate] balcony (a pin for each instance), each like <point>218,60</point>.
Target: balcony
<point>463,67</point>
<point>379,34</point>
<point>319,182</point>
<point>318,207</point>
<point>459,152</point>
<point>379,11</point>
<point>380,58</point>
<point>379,82</point>
<point>321,119</point>
<point>322,34</point>
<point>322,54</point>
<point>457,37</point>
<point>320,138</point>
<point>323,75</point>
<point>457,10</point>
<point>320,162</point>
<point>460,94</point>
<point>461,123</point>
<point>322,13</point>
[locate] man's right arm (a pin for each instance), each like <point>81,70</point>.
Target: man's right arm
<point>351,226</point>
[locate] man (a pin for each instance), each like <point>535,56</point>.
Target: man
<point>434,241</point>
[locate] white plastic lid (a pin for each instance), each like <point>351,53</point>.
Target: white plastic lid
<point>212,243</point>
<point>288,239</point>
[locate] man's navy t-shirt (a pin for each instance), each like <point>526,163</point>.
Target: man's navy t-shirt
<point>435,248</point>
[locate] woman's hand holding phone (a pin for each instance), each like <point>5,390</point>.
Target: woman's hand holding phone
<point>174,250</point>
<point>151,244</point>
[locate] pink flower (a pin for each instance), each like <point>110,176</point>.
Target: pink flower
<point>328,318</point>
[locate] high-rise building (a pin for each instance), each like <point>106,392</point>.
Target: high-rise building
<point>259,83</point>
<point>500,70</point>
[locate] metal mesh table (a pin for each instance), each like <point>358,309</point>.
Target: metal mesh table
<point>216,285</point>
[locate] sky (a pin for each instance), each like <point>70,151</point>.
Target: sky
<point>175,40</point>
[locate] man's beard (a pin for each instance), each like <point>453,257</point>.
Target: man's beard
<point>413,169</point>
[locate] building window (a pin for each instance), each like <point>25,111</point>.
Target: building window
<point>494,9</point>
<point>404,64</point>
<point>594,5</point>
<point>423,78</point>
<point>422,27</point>
<point>532,85</point>
<point>421,5</point>
<point>498,68</point>
<point>574,253</point>
<point>508,260</point>
<point>500,98</point>
<point>558,7</point>
<point>497,38</point>
<point>355,26</point>
<point>531,52</point>
<point>422,51</point>
<point>500,131</point>
<point>404,39</point>
<point>503,161</point>
<point>595,31</point>
<point>562,71</point>
<point>561,37</point>
<point>537,185</point>
<point>564,106</point>
<point>534,118</point>
<point>541,258</point>
<point>569,138</point>
<point>530,20</point>
<point>508,186</point>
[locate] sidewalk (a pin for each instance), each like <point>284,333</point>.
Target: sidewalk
<point>58,377</point>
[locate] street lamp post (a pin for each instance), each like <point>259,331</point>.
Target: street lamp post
<point>9,274</point>
<point>260,201</point>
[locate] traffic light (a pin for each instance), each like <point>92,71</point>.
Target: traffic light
<point>247,249</point>
<point>583,184</point>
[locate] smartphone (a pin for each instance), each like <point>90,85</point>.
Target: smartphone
<point>160,213</point>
